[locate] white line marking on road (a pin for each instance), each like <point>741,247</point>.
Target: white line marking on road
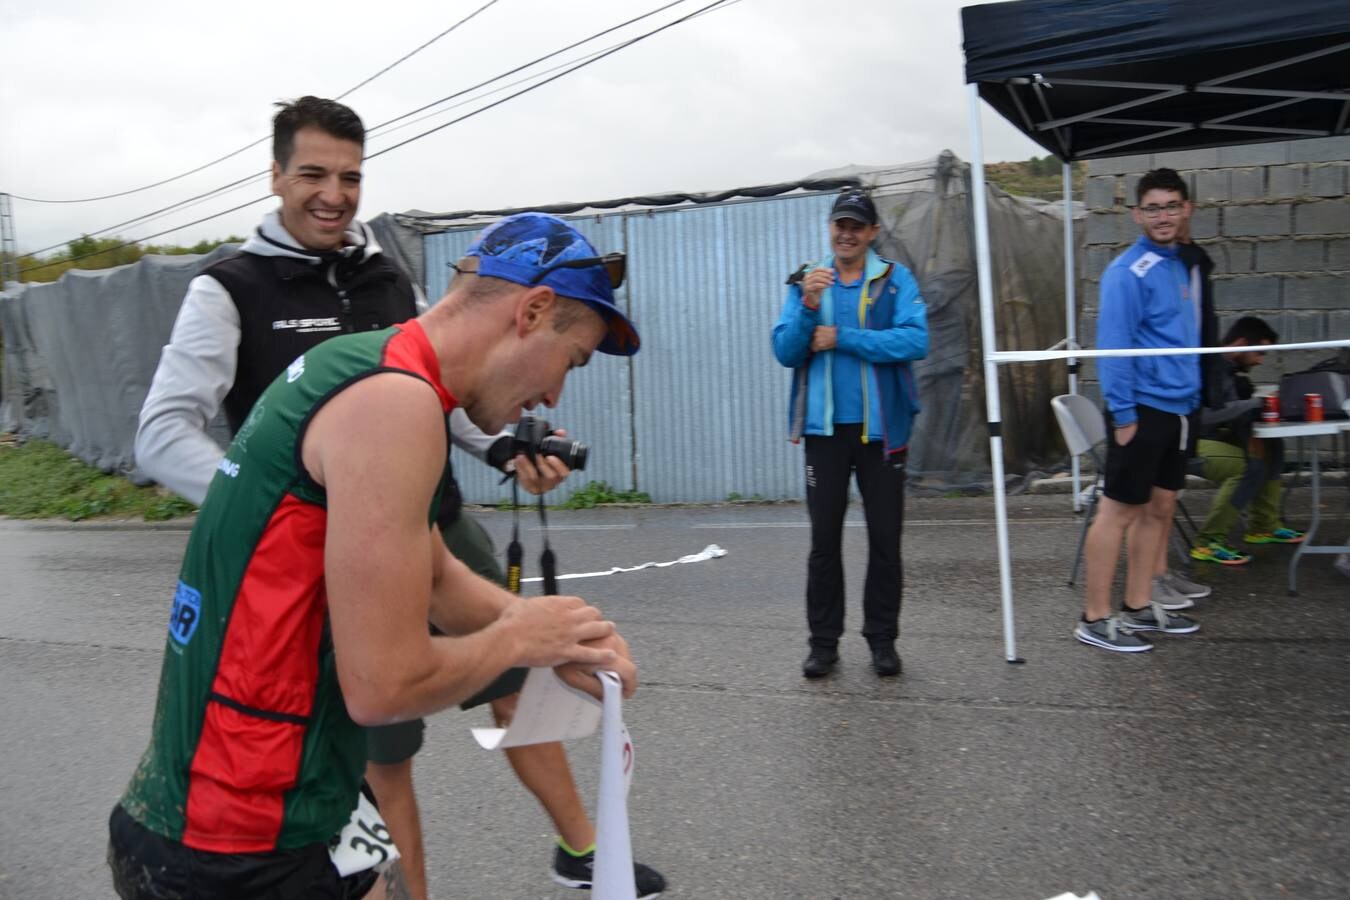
<point>859,523</point>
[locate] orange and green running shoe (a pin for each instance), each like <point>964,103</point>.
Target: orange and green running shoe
<point>1219,552</point>
<point>1280,535</point>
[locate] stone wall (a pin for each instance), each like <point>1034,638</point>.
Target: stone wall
<point>1274,217</point>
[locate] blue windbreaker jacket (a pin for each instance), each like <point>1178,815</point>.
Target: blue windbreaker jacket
<point>1149,299</point>
<point>892,331</point>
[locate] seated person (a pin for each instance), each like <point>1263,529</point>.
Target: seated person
<point>1247,469</point>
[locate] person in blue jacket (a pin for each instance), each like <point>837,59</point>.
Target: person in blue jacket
<point>1149,299</point>
<point>850,328</point>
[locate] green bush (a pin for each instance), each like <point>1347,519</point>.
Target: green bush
<point>595,493</point>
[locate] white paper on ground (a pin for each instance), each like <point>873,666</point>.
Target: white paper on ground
<point>1090,895</point>
<point>613,872</point>
<point>712,551</point>
<point>548,710</point>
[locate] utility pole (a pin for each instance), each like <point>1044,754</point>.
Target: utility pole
<point>9,248</point>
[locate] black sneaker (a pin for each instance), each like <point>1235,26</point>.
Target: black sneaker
<point>820,663</point>
<point>575,872</point>
<point>885,660</point>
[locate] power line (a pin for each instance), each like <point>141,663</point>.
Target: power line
<point>374,130</point>
<point>530,64</point>
<point>148,237</point>
<point>260,140</point>
<point>593,59</point>
<point>580,65</point>
<point>413,53</point>
<point>157,212</point>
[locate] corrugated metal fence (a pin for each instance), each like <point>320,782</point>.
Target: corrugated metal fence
<point>699,414</point>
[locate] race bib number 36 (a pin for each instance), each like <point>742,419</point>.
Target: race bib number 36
<point>364,843</point>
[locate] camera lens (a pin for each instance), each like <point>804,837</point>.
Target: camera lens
<point>573,453</point>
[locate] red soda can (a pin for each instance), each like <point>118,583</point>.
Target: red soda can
<point>1271,411</point>
<point>1312,407</point>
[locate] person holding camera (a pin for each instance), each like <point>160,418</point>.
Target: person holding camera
<point>309,273</point>
<point>850,328</point>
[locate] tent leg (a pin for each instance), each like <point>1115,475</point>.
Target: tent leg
<point>991,389</point>
<point>1070,315</point>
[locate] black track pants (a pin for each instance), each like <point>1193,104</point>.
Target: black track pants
<point>829,461</point>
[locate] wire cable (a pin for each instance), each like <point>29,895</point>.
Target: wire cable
<point>528,65</point>
<point>234,153</point>
<point>413,53</point>
<point>373,131</point>
<point>582,65</point>
<point>148,237</point>
<point>586,61</point>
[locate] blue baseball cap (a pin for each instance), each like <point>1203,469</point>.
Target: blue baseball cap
<point>537,248</point>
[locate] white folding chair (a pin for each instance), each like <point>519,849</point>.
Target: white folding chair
<point>1083,428</point>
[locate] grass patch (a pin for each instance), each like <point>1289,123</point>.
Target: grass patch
<point>597,492</point>
<point>39,480</point>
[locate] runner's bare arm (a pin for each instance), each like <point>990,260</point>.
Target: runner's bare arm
<point>379,448</point>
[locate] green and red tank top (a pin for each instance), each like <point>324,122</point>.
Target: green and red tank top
<point>252,749</point>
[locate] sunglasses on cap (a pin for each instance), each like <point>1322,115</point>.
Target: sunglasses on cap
<point>616,266</point>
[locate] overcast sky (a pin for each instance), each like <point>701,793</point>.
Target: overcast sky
<point>99,98</point>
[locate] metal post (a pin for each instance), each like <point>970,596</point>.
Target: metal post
<point>1070,316</point>
<point>991,392</point>
<point>9,253</point>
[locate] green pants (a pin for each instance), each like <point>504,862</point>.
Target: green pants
<point>389,744</point>
<point>1243,481</point>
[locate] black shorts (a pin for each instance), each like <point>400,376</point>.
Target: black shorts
<point>388,745</point>
<point>1154,457</point>
<point>149,866</point>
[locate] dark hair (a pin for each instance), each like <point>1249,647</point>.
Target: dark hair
<point>312,112</point>
<point>1162,180</point>
<point>1252,330</point>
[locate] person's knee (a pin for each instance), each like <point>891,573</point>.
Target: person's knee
<point>1116,515</point>
<point>504,709</point>
<point>388,777</point>
<point>1162,504</point>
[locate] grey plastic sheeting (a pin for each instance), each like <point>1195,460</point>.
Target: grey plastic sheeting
<point>80,353</point>
<point>700,413</point>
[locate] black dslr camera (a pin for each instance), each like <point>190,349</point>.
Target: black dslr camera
<point>534,435</point>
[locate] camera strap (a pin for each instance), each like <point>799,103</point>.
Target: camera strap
<point>515,553</point>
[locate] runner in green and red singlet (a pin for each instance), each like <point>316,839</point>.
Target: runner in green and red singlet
<point>301,607</point>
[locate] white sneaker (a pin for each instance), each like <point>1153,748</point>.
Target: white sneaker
<point>1168,597</point>
<point>1185,587</point>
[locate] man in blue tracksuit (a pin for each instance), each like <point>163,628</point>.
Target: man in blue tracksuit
<point>1149,298</point>
<point>850,328</point>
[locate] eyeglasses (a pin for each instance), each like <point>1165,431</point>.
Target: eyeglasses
<point>616,266</point>
<point>1171,210</point>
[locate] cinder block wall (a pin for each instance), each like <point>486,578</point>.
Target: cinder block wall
<point>1274,217</point>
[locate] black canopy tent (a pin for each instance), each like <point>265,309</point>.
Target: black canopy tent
<point>1111,77</point>
<point>1093,79</point>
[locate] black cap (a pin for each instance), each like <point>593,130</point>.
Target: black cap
<point>854,204</point>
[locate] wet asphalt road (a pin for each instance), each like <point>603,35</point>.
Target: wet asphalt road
<point>1213,767</point>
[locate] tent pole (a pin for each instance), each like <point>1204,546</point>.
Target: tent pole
<point>1070,318</point>
<point>991,393</point>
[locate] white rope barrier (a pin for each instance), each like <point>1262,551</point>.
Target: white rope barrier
<point>1018,356</point>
